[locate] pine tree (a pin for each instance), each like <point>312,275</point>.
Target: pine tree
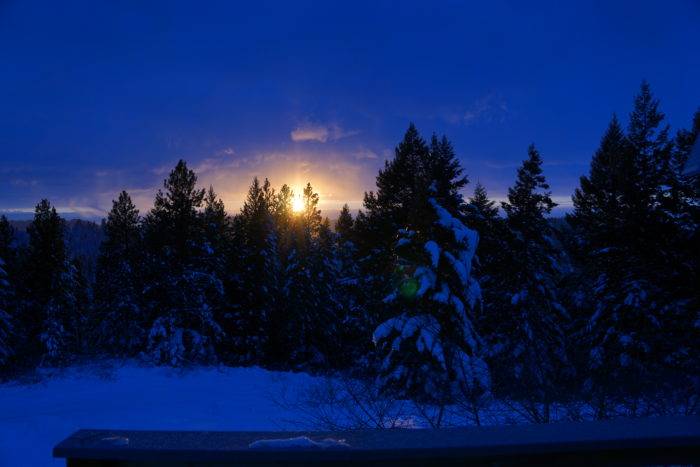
<point>447,176</point>
<point>8,330</point>
<point>344,224</point>
<point>529,341</point>
<point>685,140</point>
<point>492,259</point>
<point>119,277</point>
<point>429,347</point>
<point>283,218</point>
<point>385,212</point>
<point>7,235</point>
<point>310,276</point>
<point>216,228</point>
<point>598,203</point>
<point>634,211</point>
<point>255,323</point>
<point>354,329</point>
<point>51,311</point>
<point>482,207</point>
<point>685,323</point>
<point>182,295</point>
<point>482,215</point>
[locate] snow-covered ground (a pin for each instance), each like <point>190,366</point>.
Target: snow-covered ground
<point>34,417</point>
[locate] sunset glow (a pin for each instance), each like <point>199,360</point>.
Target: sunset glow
<point>297,204</point>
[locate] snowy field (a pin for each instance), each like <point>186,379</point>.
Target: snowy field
<point>34,417</point>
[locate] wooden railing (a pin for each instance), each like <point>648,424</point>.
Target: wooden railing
<point>615,442</point>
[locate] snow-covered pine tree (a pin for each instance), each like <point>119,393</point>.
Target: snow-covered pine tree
<point>50,309</point>
<point>667,267</point>
<point>354,327</point>
<point>492,256</point>
<point>119,278</point>
<point>528,344</point>
<point>254,322</point>
<point>216,231</point>
<point>686,323</point>
<point>8,329</point>
<point>217,251</point>
<point>6,326</point>
<point>633,211</point>
<point>335,305</point>
<point>283,217</point>
<point>429,347</point>
<point>182,295</point>
<point>685,140</point>
<point>310,279</point>
<point>385,212</point>
<point>602,226</point>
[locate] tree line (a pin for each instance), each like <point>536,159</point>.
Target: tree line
<point>436,296</point>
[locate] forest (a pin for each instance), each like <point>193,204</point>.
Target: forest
<point>433,292</point>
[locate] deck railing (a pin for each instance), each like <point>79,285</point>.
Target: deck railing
<point>650,441</point>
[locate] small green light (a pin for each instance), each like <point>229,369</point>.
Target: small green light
<point>408,288</point>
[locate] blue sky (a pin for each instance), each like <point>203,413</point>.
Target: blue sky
<point>96,97</point>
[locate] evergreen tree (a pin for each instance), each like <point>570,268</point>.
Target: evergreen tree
<point>446,174</point>
<point>310,277</point>
<point>8,330</point>
<point>344,224</point>
<point>182,294</point>
<point>216,229</point>
<point>283,218</point>
<point>528,345</point>
<point>354,331</point>
<point>492,259</point>
<point>633,217</point>
<point>387,211</point>
<point>685,323</point>
<point>483,208</point>
<point>429,347</point>
<point>603,221</point>
<point>685,140</point>
<point>599,202</point>
<point>217,250</point>
<point>119,278</point>
<point>51,311</point>
<point>7,235</point>
<point>255,324</point>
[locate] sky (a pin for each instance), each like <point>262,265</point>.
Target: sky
<point>97,97</point>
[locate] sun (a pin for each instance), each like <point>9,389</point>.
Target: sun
<point>297,204</point>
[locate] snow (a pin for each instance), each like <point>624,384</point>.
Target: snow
<point>434,251</point>
<point>462,233</point>
<point>300,442</point>
<point>518,297</point>
<point>426,326</point>
<point>426,278</point>
<point>35,417</point>
<point>403,241</point>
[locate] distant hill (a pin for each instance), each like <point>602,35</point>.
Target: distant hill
<point>83,240</point>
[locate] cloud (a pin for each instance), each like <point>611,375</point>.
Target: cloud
<point>85,212</point>
<point>24,183</point>
<point>320,133</point>
<point>489,108</point>
<point>365,154</point>
<point>502,165</point>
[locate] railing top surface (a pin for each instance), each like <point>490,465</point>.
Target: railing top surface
<point>621,434</point>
